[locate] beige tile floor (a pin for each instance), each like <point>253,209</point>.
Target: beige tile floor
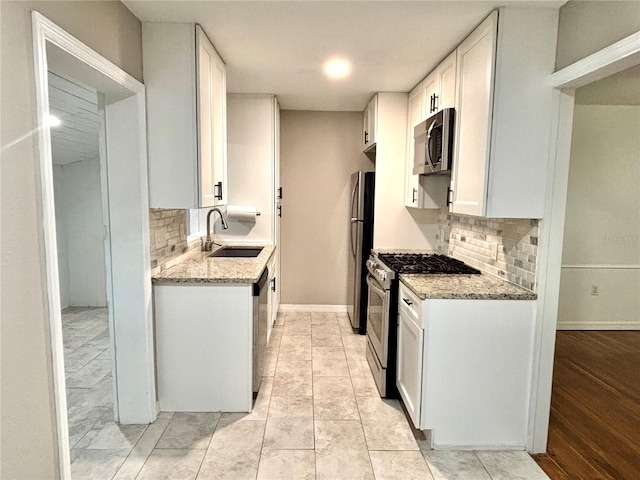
<point>318,416</point>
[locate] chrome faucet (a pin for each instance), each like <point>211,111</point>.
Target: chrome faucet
<point>208,244</point>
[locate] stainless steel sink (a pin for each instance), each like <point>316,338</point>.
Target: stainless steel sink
<point>237,252</point>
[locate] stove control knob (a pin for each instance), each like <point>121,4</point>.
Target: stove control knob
<point>382,275</point>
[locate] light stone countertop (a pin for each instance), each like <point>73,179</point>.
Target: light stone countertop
<point>200,268</point>
<point>465,287</point>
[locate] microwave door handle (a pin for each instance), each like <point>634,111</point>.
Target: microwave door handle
<point>427,147</point>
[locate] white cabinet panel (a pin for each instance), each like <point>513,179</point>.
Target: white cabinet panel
<point>473,118</point>
<point>503,102</point>
<point>412,182</point>
<point>409,365</point>
<point>430,90</point>
<point>219,127</point>
<point>435,92</point>
<point>446,72</point>
<point>274,291</point>
<point>370,125</point>
<point>204,344</point>
<point>464,369</point>
<point>477,362</point>
<point>185,81</point>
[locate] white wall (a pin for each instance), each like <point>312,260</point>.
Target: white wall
<point>318,153</point>
<point>80,234</point>
<point>586,27</point>
<point>396,226</point>
<point>602,228</point>
<point>28,433</point>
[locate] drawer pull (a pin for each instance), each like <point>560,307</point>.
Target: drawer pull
<point>407,301</point>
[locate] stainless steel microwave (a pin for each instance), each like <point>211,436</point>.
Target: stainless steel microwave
<point>434,144</point>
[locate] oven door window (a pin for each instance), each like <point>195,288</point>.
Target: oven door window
<point>376,319</point>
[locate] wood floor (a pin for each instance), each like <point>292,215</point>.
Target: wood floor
<point>594,430</point>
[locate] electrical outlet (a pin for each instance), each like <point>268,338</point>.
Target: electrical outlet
<point>595,290</point>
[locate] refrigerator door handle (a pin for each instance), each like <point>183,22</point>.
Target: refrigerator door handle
<point>353,219</point>
<point>353,199</point>
<point>353,246</point>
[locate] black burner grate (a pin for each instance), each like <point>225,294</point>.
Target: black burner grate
<point>425,263</point>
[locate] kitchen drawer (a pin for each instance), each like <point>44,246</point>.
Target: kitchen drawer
<point>407,300</point>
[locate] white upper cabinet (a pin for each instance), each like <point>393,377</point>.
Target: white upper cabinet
<point>185,81</point>
<point>435,92</point>
<point>370,125</point>
<point>414,115</point>
<point>503,110</point>
<point>439,88</point>
<point>447,81</point>
<point>430,91</point>
<point>476,56</point>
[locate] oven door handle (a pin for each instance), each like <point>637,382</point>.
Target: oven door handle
<point>373,285</point>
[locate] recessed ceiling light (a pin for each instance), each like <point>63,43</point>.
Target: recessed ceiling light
<point>337,68</point>
<point>52,121</point>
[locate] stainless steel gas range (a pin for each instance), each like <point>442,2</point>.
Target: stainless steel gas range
<point>382,306</point>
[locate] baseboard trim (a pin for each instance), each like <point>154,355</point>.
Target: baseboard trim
<point>290,307</point>
<point>484,447</point>
<point>598,326</point>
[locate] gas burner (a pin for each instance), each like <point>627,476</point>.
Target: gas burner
<point>420,263</point>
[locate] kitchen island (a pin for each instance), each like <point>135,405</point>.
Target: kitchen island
<point>204,328</point>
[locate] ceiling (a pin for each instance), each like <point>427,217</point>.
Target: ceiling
<point>76,138</point>
<point>622,88</point>
<point>280,47</point>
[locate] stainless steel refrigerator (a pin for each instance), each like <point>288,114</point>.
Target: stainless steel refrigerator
<point>361,242</point>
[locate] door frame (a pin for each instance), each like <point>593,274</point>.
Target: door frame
<point>129,290</point>
<point>612,59</point>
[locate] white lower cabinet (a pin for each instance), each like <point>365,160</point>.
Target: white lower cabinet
<point>409,376</point>
<point>464,369</point>
<point>273,296</point>
<point>204,345</point>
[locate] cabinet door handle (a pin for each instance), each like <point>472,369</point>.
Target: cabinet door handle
<point>273,284</point>
<point>280,211</point>
<point>435,102</point>
<point>414,196</point>
<point>218,187</point>
<point>449,196</point>
<point>366,137</point>
<point>279,193</point>
<point>407,301</point>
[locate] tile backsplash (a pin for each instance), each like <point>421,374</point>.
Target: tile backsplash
<point>507,248</point>
<point>168,235</point>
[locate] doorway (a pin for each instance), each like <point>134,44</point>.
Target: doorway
<point>595,398</point>
<point>77,131</point>
<point>121,214</point>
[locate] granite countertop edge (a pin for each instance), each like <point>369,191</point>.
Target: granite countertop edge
<point>464,287</point>
<point>201,269</point>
